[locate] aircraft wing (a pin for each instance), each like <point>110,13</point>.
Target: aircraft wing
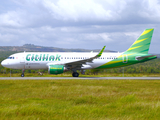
<point>78,64</point>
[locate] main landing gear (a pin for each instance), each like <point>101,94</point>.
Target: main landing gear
<point>75,74</point>
<point>22,75</point>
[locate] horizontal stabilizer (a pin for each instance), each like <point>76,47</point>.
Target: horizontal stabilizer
<point>143,57</point>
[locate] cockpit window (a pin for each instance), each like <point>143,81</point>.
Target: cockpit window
<point>10,58</point>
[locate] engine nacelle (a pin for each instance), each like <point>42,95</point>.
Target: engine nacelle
<point>56,69</point>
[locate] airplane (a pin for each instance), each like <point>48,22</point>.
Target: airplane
<point>59,62</point>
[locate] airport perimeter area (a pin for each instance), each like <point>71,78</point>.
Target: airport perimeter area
<point>80,78</point>
<point>79,99</point>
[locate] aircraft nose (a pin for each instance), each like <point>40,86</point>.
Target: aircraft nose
<point>4,63</point>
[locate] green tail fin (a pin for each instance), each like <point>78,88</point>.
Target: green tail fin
<point>141,45</point>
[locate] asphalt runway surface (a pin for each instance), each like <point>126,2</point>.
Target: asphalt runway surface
<point>80,78</point>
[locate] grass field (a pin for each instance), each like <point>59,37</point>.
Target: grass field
<point>79,99</point>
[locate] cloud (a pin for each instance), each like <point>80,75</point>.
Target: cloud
<point>59,13</point>
<point>6,38</point>
<point>11,19</point>
<point>80,10</point>
<point>151,10</point>
<point>87,24</point>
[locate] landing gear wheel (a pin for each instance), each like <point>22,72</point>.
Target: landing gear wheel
<point>75,74</point>
<point>22,75</point>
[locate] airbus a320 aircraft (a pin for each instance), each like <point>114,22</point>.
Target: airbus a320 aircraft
<point>59,62</point>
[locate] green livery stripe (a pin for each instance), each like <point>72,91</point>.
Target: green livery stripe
<point>121,62</point>
<point>113,62</point>
<point>147,31</point>
<point>125,54</point>
<point>138,41</point>
<point>134,48</point>
<point>144,51</point>
<point>142,43</point>
<point>139,48</point>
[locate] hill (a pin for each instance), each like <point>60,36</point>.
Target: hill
<point>36,48</point>
<point>5,51</point>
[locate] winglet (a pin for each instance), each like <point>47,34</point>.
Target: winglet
<point>100,53</point>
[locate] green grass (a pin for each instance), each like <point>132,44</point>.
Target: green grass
<point>79,99</point>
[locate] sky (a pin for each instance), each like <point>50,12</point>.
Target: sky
<point>86,24</point>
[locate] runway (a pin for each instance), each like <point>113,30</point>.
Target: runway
<point>79,78</point>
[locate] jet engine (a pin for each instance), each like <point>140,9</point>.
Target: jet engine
<point>56,69</point>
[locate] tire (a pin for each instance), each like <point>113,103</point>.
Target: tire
<point>22,75</point>
<point>75,74</point>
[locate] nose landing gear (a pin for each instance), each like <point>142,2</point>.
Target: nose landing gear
<point>22,75</point>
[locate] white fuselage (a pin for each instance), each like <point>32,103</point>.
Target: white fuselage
<point>41,60</point>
